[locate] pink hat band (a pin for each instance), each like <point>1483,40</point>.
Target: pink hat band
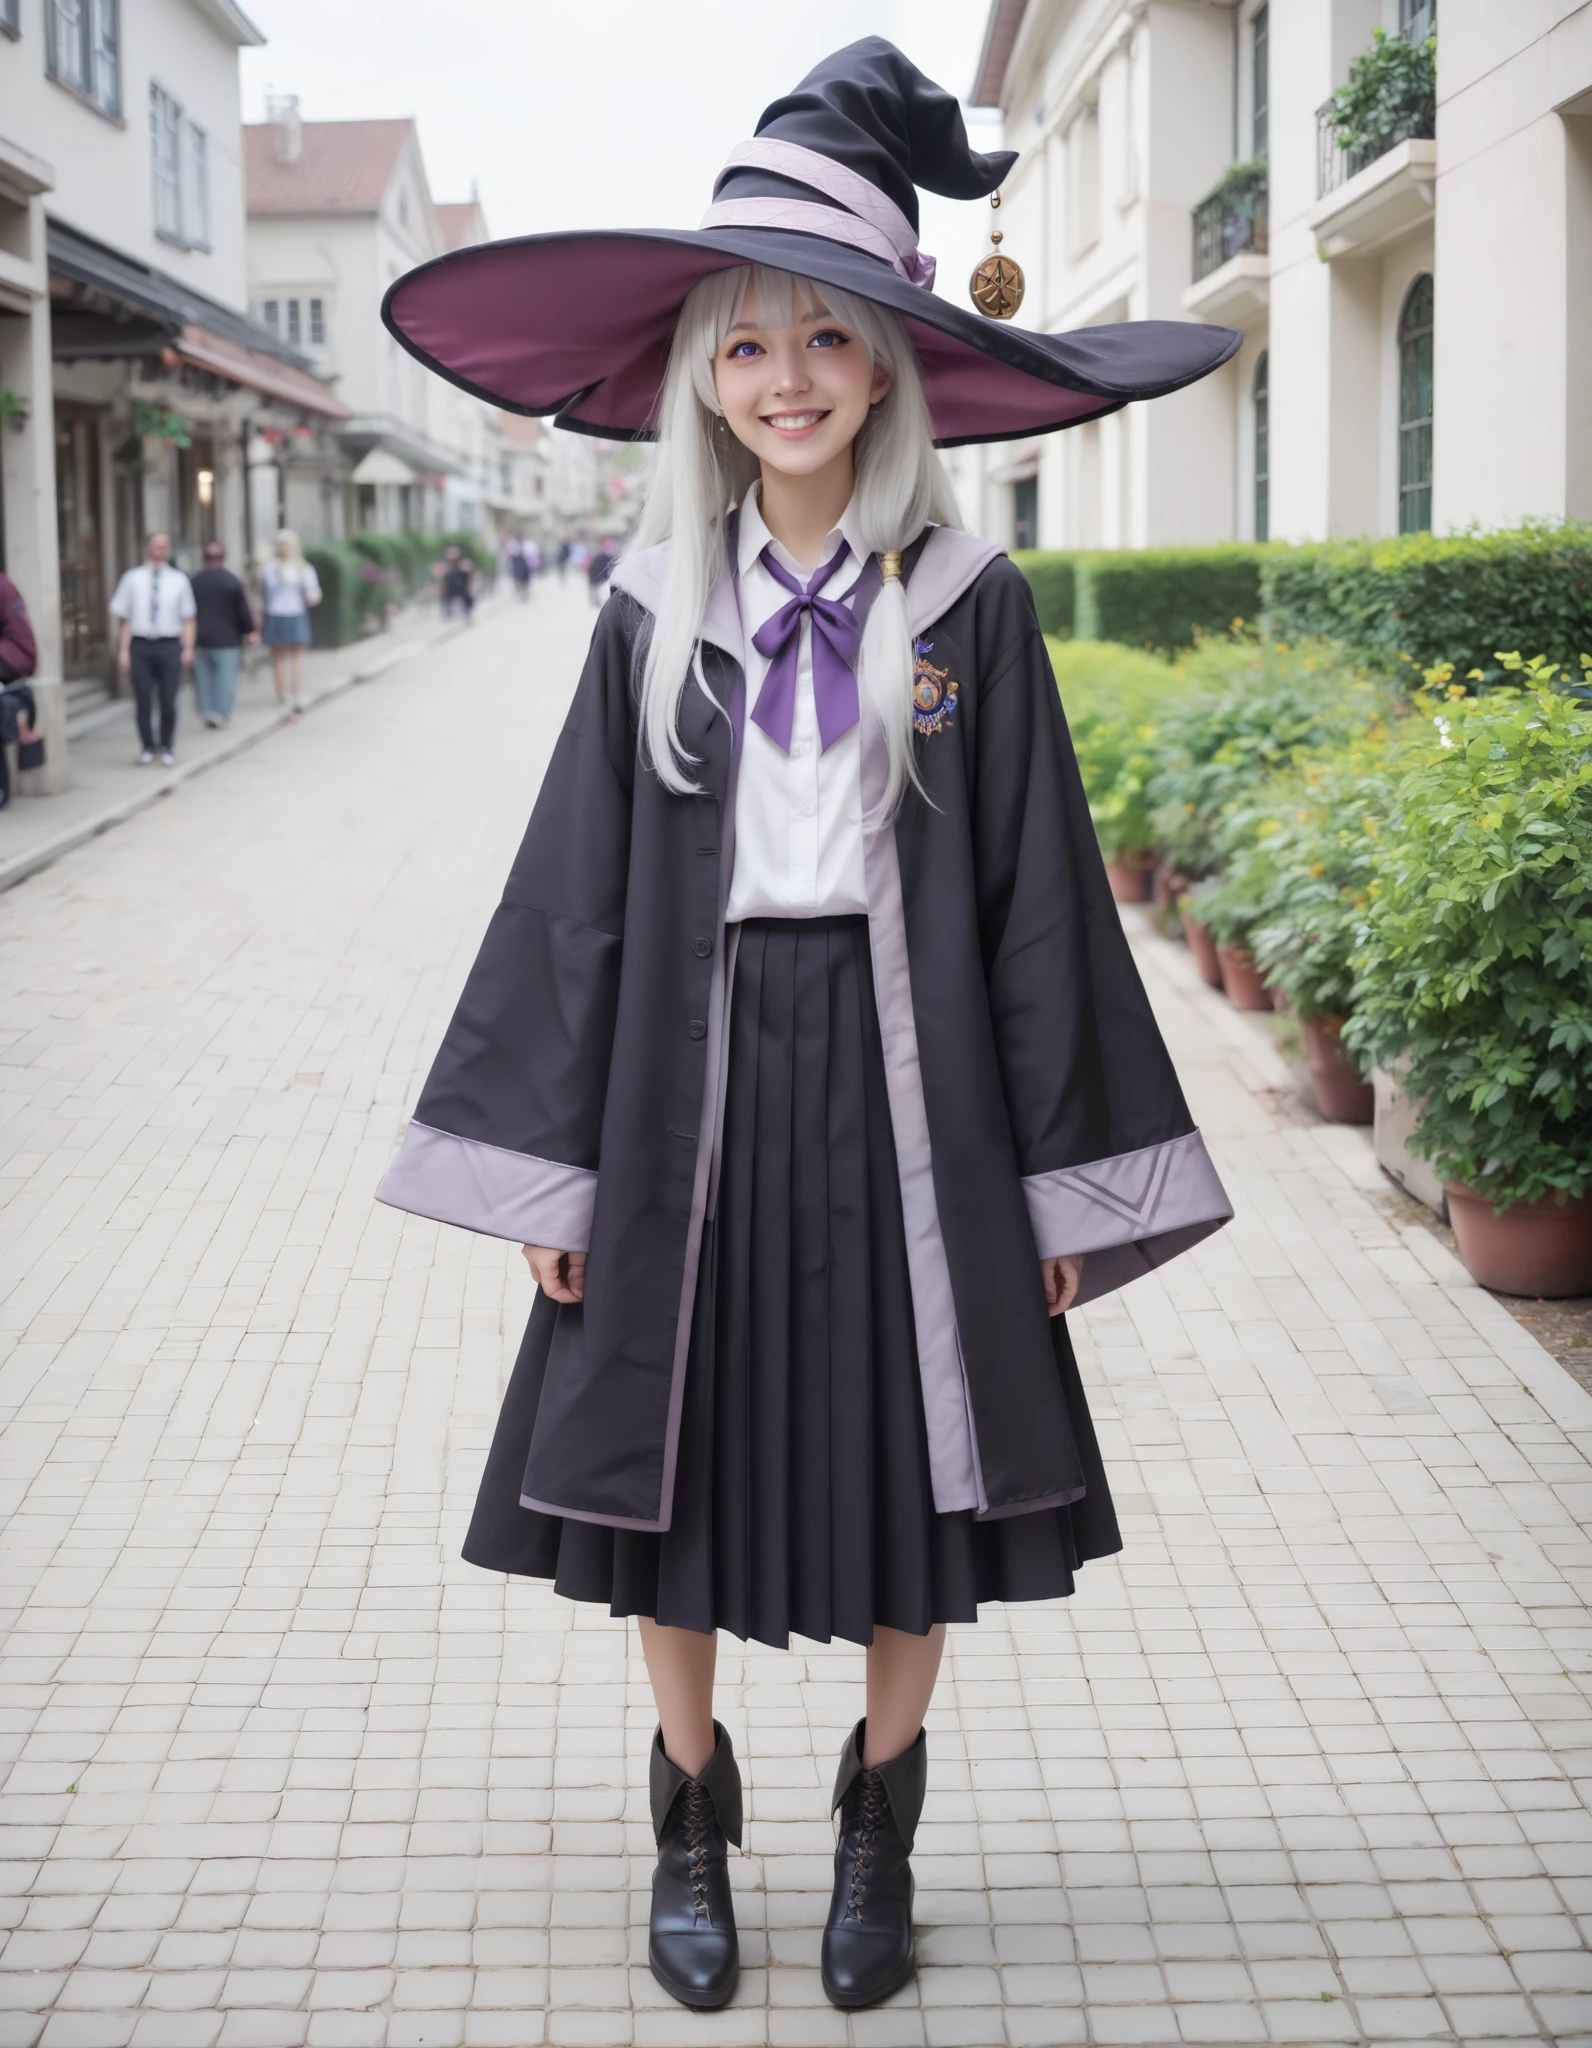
<point>871,221</point>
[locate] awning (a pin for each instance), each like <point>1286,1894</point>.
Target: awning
<point>382,467</point>
<point>1018,471</point>
<point>257,372</point>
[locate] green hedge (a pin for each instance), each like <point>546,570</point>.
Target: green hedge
<point>1421,599</point>
<point>1161,598</point>
<point>391,554</point>
<point>1053,580</point>
<point>350,606</point>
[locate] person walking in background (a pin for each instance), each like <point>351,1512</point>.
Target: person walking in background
<point>19,657</point>
<point>223,622</point>
<point>154,608</point>
<point>290,589</point>
<point>519,569</point>
<point>564,553</point>
<point>457,575</point>
<point>600,568</point>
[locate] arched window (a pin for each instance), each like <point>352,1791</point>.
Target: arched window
<point>1263,448</point>
<point>1415,408</point>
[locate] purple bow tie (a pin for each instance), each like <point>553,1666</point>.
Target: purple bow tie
<point>836,637</point>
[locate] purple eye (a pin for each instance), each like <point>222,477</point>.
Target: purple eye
<point>736,347</point>
<point>828,337</point>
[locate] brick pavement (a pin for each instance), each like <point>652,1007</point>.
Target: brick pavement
<point>1309,1763</point>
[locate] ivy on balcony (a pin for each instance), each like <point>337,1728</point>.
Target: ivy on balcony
<point>1390,97</point>
<point>1231,220</point>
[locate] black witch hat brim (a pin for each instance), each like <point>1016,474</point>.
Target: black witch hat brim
<point>578,326</point>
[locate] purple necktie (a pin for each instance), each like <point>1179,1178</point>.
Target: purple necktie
<point>836,638</point>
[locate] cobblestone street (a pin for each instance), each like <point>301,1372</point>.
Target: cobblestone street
<point>1309,1763</point>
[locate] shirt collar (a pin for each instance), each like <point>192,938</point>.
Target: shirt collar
<point>753,536</point>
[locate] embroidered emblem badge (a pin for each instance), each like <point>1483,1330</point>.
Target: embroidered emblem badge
<point>933,691</point>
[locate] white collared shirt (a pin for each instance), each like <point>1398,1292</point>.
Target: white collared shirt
<point>155,602</point>
<point>798,816</point>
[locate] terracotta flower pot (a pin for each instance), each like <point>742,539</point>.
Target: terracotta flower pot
<point>1131,876</point>
<point>1203,948</point>
<point>1341,1096</point>
<point>1167,886</point>
<point>1241,979</point>
<point>1542,1248</point>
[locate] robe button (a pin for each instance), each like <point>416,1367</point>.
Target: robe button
<point>696,1028</point>
<point>702,948</point>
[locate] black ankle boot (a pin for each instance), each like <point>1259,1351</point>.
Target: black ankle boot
<point>692,1946</point>
<point>868,1942</point>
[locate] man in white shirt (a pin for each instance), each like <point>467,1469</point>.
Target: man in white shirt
<point>155,608</point>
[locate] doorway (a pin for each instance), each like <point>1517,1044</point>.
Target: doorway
<point>77,526</point>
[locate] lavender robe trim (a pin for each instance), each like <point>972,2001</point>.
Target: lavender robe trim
<point>1129,1214</point>
<point>491,1190</point>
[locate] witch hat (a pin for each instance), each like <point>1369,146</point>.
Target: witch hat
<point>578,325</point>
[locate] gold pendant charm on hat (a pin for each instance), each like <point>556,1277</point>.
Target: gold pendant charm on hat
<point>996,286</point>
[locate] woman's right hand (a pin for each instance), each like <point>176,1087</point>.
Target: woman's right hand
<point>560,1275</point>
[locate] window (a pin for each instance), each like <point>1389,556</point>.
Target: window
<point>179,169</point>
<point>317,323</point>
<point>11,17</point>
<point>80,50</point>
<point>1263,448</point>
<point>271,314</point>
<point>1417,19</point>
<point>1415,409</point>
<point>294,334</point>
<point>1025,512</point>
<point>295,321</point>
<point>1260,81</point>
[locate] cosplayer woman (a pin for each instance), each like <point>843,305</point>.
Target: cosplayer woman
<point>804,1053</point>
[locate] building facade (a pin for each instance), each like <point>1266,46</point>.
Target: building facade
<point>1177,161</point>
<point>134,379</point>
<point>338,210</point>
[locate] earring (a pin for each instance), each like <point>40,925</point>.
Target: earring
<point>996,286</point>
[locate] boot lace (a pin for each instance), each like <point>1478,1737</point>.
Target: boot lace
<point>696,1818</point>
<point>872,1803</point>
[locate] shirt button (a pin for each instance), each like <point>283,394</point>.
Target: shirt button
<point>696,1028</point>
<point>809,810</point>
<point>702,948</point>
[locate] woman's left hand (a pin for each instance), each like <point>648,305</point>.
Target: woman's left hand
<point>1061,1278</point>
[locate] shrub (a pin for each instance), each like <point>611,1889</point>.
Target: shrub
<point>1299,868</point>
<point>1477,955</point>
<point>1114,698</point>
<point>1052,579</point>
<point>1408,604</point>
<point>350,605</point>
<point>1167,597</point>
<point>1248,710</point>
<point>1163,598</point>
<point>387,553</point>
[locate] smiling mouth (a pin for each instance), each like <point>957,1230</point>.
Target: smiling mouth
<point>793,425</point>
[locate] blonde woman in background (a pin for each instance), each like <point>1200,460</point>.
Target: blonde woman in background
<point>289,588</point>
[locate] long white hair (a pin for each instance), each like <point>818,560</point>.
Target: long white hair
<point>703,470</point>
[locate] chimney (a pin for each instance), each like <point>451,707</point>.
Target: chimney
<point>282,111</point>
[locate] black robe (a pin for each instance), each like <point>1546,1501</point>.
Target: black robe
<point>575,1099</point>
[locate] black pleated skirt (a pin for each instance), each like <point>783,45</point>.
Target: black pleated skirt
<point>802,1497</point>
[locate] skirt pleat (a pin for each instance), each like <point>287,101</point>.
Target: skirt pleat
<point>803,1503</point>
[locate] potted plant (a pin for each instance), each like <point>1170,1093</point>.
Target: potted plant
<point>1247,709</point>
<point>1389,96</point>
<point>1319,849</point>
<point>1113,698</point>
<point>1228,911</point>
<point>1476,966</point>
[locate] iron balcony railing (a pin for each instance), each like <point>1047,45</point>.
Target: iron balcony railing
<point>1335,165</point>
<point>1227,225</point>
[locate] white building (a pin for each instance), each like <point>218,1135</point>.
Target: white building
<point>135,376</point>
<point>337,211</point>
<point>1414,317</point>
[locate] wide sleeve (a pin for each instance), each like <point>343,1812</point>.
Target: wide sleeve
<point>504,1138</point>
<point>1112,1165</point>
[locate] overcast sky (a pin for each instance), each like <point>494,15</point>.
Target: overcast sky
<point>598,113</point>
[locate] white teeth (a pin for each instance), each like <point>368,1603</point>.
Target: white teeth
<point>794,420</point>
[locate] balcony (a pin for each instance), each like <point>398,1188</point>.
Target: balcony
<point>1371,196</point>
<point>1232,269</point>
